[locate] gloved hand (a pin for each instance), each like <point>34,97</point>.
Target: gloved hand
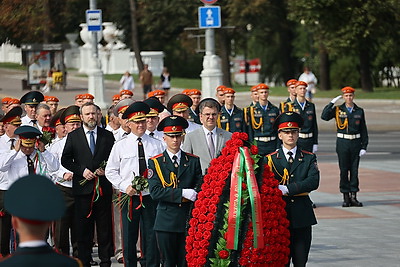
<point>363,152</point>
<point>314,148</point>
<point>190,194</point>
<point>284,189</point>
<point>333,101</point>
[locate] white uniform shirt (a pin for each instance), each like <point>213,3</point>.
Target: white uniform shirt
<point>123,162</point>
<point>114,132</point>
<point>56,149</point>
<point>25,120</point>
<point>15,163</point>
<point>157,135</point>
<point>192,126</point>
<point>5,147</point>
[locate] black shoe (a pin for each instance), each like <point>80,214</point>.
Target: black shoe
<point>314,206</point>
<point>93,263</point>
<point>121,260</point>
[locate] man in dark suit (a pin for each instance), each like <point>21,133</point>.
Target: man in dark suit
<point>34,201</point>
<point>86,149</point>
<point>298,174</point>
<point>173,177</point>
<point>208,136</point>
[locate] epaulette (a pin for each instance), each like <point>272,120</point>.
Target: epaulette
<point>307,152</point>
<point>191,155</point>
<point>157,156</point>
<point>273,153</point>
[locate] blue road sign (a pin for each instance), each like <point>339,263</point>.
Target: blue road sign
<point>209,17</point>
<point>93,20</point>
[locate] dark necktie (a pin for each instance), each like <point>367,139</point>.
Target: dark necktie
<point>290,159</point>
<point>12,140</point>
<point>142,159</point>
<point>31,169</point>
<point>92,143</point>
<point>34,123</point>
<point>151,134</point>
<point>175,158</point>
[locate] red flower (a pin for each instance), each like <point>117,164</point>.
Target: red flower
<point>254,150</point>
<point>223,254</point>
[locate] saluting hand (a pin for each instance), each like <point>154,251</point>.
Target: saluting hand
<point>17,145</point>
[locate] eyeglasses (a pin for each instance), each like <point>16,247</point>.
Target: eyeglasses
<point>209,114</point>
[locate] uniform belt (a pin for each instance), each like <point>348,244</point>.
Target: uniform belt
<point>265,139</point>
<point>305,135</point>
<point>348,136</point>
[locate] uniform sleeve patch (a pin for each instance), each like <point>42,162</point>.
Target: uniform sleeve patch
<point>150,173</point>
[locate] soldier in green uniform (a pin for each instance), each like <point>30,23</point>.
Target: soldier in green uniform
<point>308,136</point>
<point>288,104</point>
<point>173,177</point>
<point>351,142</point>
<point>259,121</point>
<point>195,95</point>
<point>231,118</point>
<point>298,174</point>
<point>34,202</point>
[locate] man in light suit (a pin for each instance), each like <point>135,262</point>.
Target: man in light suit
<point>208,136</point>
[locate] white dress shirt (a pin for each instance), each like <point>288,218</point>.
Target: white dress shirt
<point>123,162</point>
<point>214,136</point>
<point>15,163</point>
<point>5,147</point>
<point>57,176</point>
<point>285,150</point>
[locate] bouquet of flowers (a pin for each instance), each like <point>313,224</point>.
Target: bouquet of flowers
<point>139,183</point>
<point>102,165</point>
<point>49,134</point>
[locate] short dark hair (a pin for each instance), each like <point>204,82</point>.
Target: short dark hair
<point>210,103</point>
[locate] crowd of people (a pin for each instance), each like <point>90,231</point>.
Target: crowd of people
<point>129,177</point>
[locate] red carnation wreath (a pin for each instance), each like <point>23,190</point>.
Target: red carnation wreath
<point>210,240</point>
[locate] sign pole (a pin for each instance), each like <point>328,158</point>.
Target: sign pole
<point>95,74</point>
<point>211,75</point>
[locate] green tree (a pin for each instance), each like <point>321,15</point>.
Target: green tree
<point>349,27</point>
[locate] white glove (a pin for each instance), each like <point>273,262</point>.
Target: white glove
<point>363,152</point>
<point>333,101</point>
<point>314,148</point>
<point>284,189</point>
<point>189,194</point>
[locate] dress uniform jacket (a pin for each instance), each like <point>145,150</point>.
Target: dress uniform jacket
<point>43,256</point>
<point>193,117</point>
<point>310,127</point>
<point>303,177</point>
<point>286,105</point>
<point>232,123</point>
<point>355,121</point>
<point>171,212</point>
<point>260,126</point>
